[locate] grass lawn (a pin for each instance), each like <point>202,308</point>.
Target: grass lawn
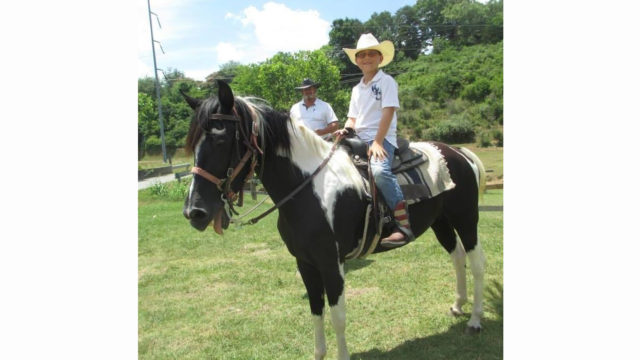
<point>203,296</point>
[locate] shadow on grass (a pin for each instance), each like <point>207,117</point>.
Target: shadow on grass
<point>351,265</point>
<point>356,264</point>
<point>453,344</point>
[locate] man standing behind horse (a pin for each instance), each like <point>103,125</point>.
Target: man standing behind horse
<point>314,113</point>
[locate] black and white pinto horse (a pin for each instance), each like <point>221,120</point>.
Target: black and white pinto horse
<point>323,222</point>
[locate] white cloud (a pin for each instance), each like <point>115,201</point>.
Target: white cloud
<point>276,28</point>
<point>200,74</point>
<point>144,69</point>
<point>232,16</point>
<point>247,36</point>
<point>227,52</point>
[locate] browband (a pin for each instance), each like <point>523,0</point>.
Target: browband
<point>223,117</point>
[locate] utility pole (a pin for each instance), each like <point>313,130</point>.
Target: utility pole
<point>155,71</point>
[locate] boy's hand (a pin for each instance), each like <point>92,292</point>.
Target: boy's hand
<point>376,151</point>
<point>340,132</point>
<point>344,132</point>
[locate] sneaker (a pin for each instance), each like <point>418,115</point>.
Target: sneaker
<point>397,238</point>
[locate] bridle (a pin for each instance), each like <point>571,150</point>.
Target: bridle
<point>224,185</point>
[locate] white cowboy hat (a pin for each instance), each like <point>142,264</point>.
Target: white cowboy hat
<point>367,42</point>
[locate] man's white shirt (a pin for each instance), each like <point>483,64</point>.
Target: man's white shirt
<point>315,117</point>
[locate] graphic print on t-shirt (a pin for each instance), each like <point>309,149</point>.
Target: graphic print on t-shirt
<point>376,91</point>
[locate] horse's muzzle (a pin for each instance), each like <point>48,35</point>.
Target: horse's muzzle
<point>198,217</point>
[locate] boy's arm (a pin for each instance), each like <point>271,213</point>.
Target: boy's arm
<point>376,149</point>
<point>350,123</point>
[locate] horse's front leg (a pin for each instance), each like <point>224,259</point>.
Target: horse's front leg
<point>334,284</point>
<point>315,290</point>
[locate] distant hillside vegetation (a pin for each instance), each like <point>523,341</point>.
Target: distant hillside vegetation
<point>453,96</point>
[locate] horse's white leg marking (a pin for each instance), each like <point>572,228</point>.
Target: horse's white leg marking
<point>339,321</point>
<point>477,261</point>
<point>458,258</point>
<point>321,343</point>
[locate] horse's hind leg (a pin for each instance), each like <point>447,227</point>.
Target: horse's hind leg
<point>447,237</point>
<point>468,231</point>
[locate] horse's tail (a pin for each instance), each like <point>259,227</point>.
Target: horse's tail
<point>482,175</point>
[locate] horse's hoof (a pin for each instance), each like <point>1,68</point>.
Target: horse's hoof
<point>472,330</point>
<point>455,312</point>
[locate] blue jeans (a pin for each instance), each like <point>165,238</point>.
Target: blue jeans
<point>384,178</point>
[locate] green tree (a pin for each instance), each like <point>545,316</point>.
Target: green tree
<point>493,32</point>
<point>275,79</point>
<point>345,34</point>
<point>226,73</point>
<point>382,26</point>
<point>147,85</point>
<point>432,22</point>
<point>147,115</point>
<point>469,20</point>
<point>410,38</point>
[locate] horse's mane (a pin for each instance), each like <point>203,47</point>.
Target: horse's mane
<point>309,150</point>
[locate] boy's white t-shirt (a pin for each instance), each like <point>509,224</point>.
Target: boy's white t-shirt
<point>367,102</point>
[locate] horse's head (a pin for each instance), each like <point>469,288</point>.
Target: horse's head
<point>219,138</point>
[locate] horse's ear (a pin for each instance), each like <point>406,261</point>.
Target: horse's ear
<point>193,103</point>
<point>225,95</point>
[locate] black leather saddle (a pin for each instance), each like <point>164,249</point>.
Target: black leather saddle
<point>404,157</point>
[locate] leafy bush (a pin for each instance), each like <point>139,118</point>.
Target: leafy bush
<point>491,137</point>
<point>174,190</point>
<point>497,135</point>
<point>486,138</point>
<point>425,114</point>
<point>477,90</point>
<point>455,106</point>
<point>454,131</point>
<point>153,146</point>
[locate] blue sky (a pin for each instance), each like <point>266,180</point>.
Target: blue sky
<point>200,35</point>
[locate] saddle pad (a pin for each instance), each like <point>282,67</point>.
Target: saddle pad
<point>427,180</point>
